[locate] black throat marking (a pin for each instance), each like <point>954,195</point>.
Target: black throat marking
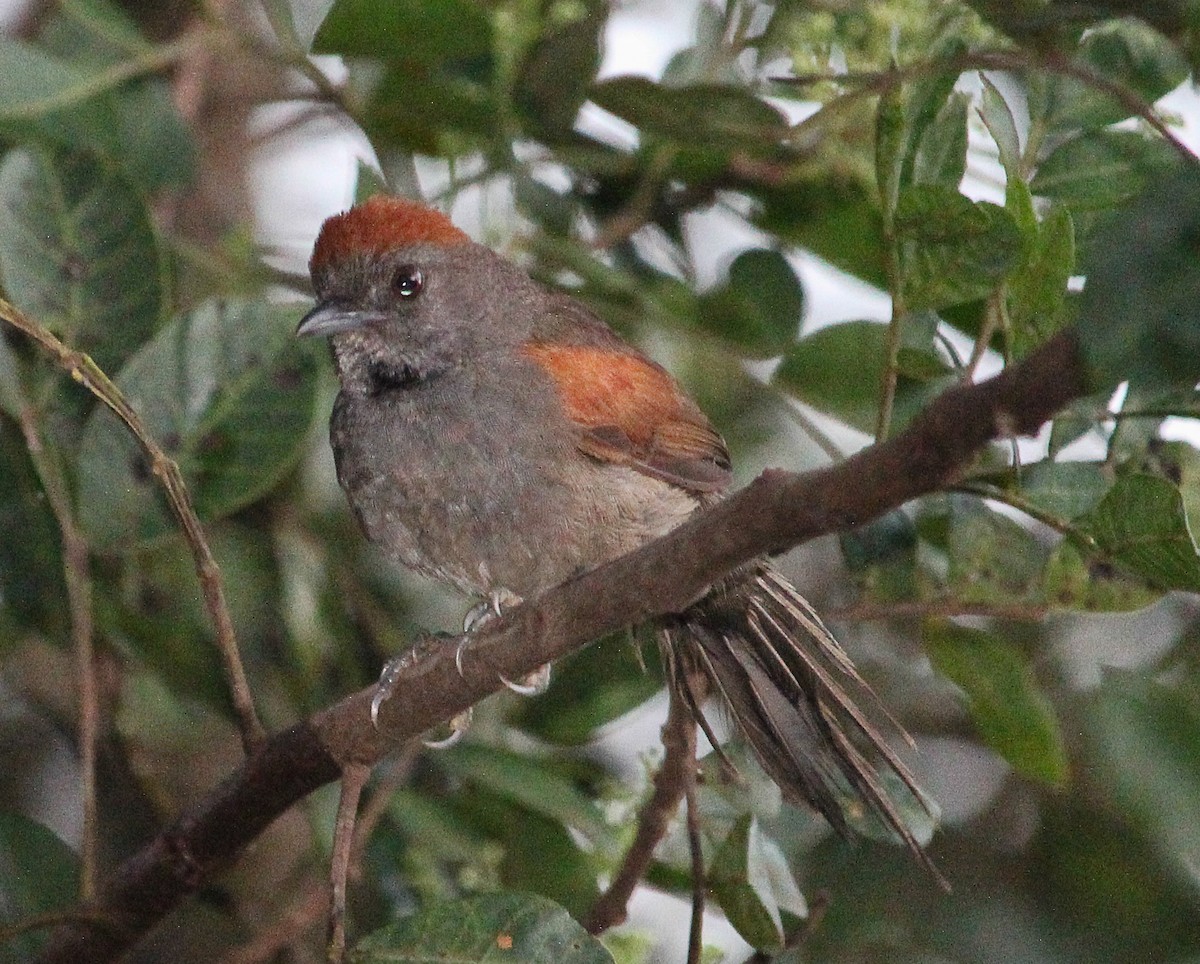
<point>385,377</point>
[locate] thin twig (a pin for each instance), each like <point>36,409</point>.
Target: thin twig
<point>376,807</point>
<point>808,425</point>
<point>670,785</point>
<point>891,367</point>
<point>699,885</point>
<point>315,902</point>
<point>895,333</point>
<point>77,575</point>
<point>86,372</point>
<point>1019,502</point>
<point>354,778</point>
<point>640,208</point>
<point>987,330</point>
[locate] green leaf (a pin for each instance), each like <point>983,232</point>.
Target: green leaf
<point>634,947</point>
<point>882,556</point>
<point>992,558</point>
<point>837,370</point>
<point>952,249</point>
<point>917,127</point>
<point>153,145</point>
<point>1064,489</point>
<point>1076,420</point>
<point>1179,462</point>
<point>552,82</point>
<point>551,210</point>
<point>134,128</point>
<point>530,782</point>
<point>79,96</point>
<point>79,254</point>
<point>891,149</point>
<point>228,393</point>
<point>834,216</point>
<point>1073,582</point>
<point>1011,712</point>
<point>435,94</point>
<point>1102,169</point>
<point>712,116</point>
<point>367,182</point>
<point>941,155</point>
<point>1131,54</point>
<point>1126,52</point>
<point>1145,735</point>
<point>31,572</point>
<point>488,928</point>
<point>1141,304</point>
<point>36,83</point>
<point>435,827</point>
<point>160,620</point>
<point>540,854</point>
<point>92,30</point>
<point>433,110</point>
<point>998,119</point>
<point>925,105</point>
<point>38,875</point>
<point>590,688</point>
<point>760,306</point>
<point>1037,289</point>
<point>1018,202</point>
<point>751,880</point>
<point>426,31</point>
<point>1141,525</point>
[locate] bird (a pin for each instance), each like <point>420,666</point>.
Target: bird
<point>497,435</point>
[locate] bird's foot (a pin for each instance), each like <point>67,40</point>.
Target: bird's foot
<point>394,669</point>
<point>490,609</point>
<point>486,612</point>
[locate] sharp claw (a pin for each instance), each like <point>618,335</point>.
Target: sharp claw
<point>458,657</point>
<point>454,737</point>
<point>387,682</point>
<point>458,729</point>
<point>534,684</point>
<point>491,608</point>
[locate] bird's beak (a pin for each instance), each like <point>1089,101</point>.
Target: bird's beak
<point>331,317</point>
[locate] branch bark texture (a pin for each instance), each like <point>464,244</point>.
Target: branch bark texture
<point>776,512</point>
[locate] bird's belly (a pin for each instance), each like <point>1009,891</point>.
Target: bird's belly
<point>484,512</point>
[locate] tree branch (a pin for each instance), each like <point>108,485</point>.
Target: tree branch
<point>671,781</point>
<point>87,373</point>
<point>775,512</point>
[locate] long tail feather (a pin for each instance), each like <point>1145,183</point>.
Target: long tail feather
<point>789,686</point>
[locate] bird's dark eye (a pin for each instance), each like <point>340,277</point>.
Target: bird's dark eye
<point>408,281</point>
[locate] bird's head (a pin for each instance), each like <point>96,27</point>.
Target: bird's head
<point>405,295</point>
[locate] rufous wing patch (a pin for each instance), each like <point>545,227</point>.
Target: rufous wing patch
<point>630,411</point>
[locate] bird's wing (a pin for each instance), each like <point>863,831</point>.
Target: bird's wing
<point>630,411</point>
